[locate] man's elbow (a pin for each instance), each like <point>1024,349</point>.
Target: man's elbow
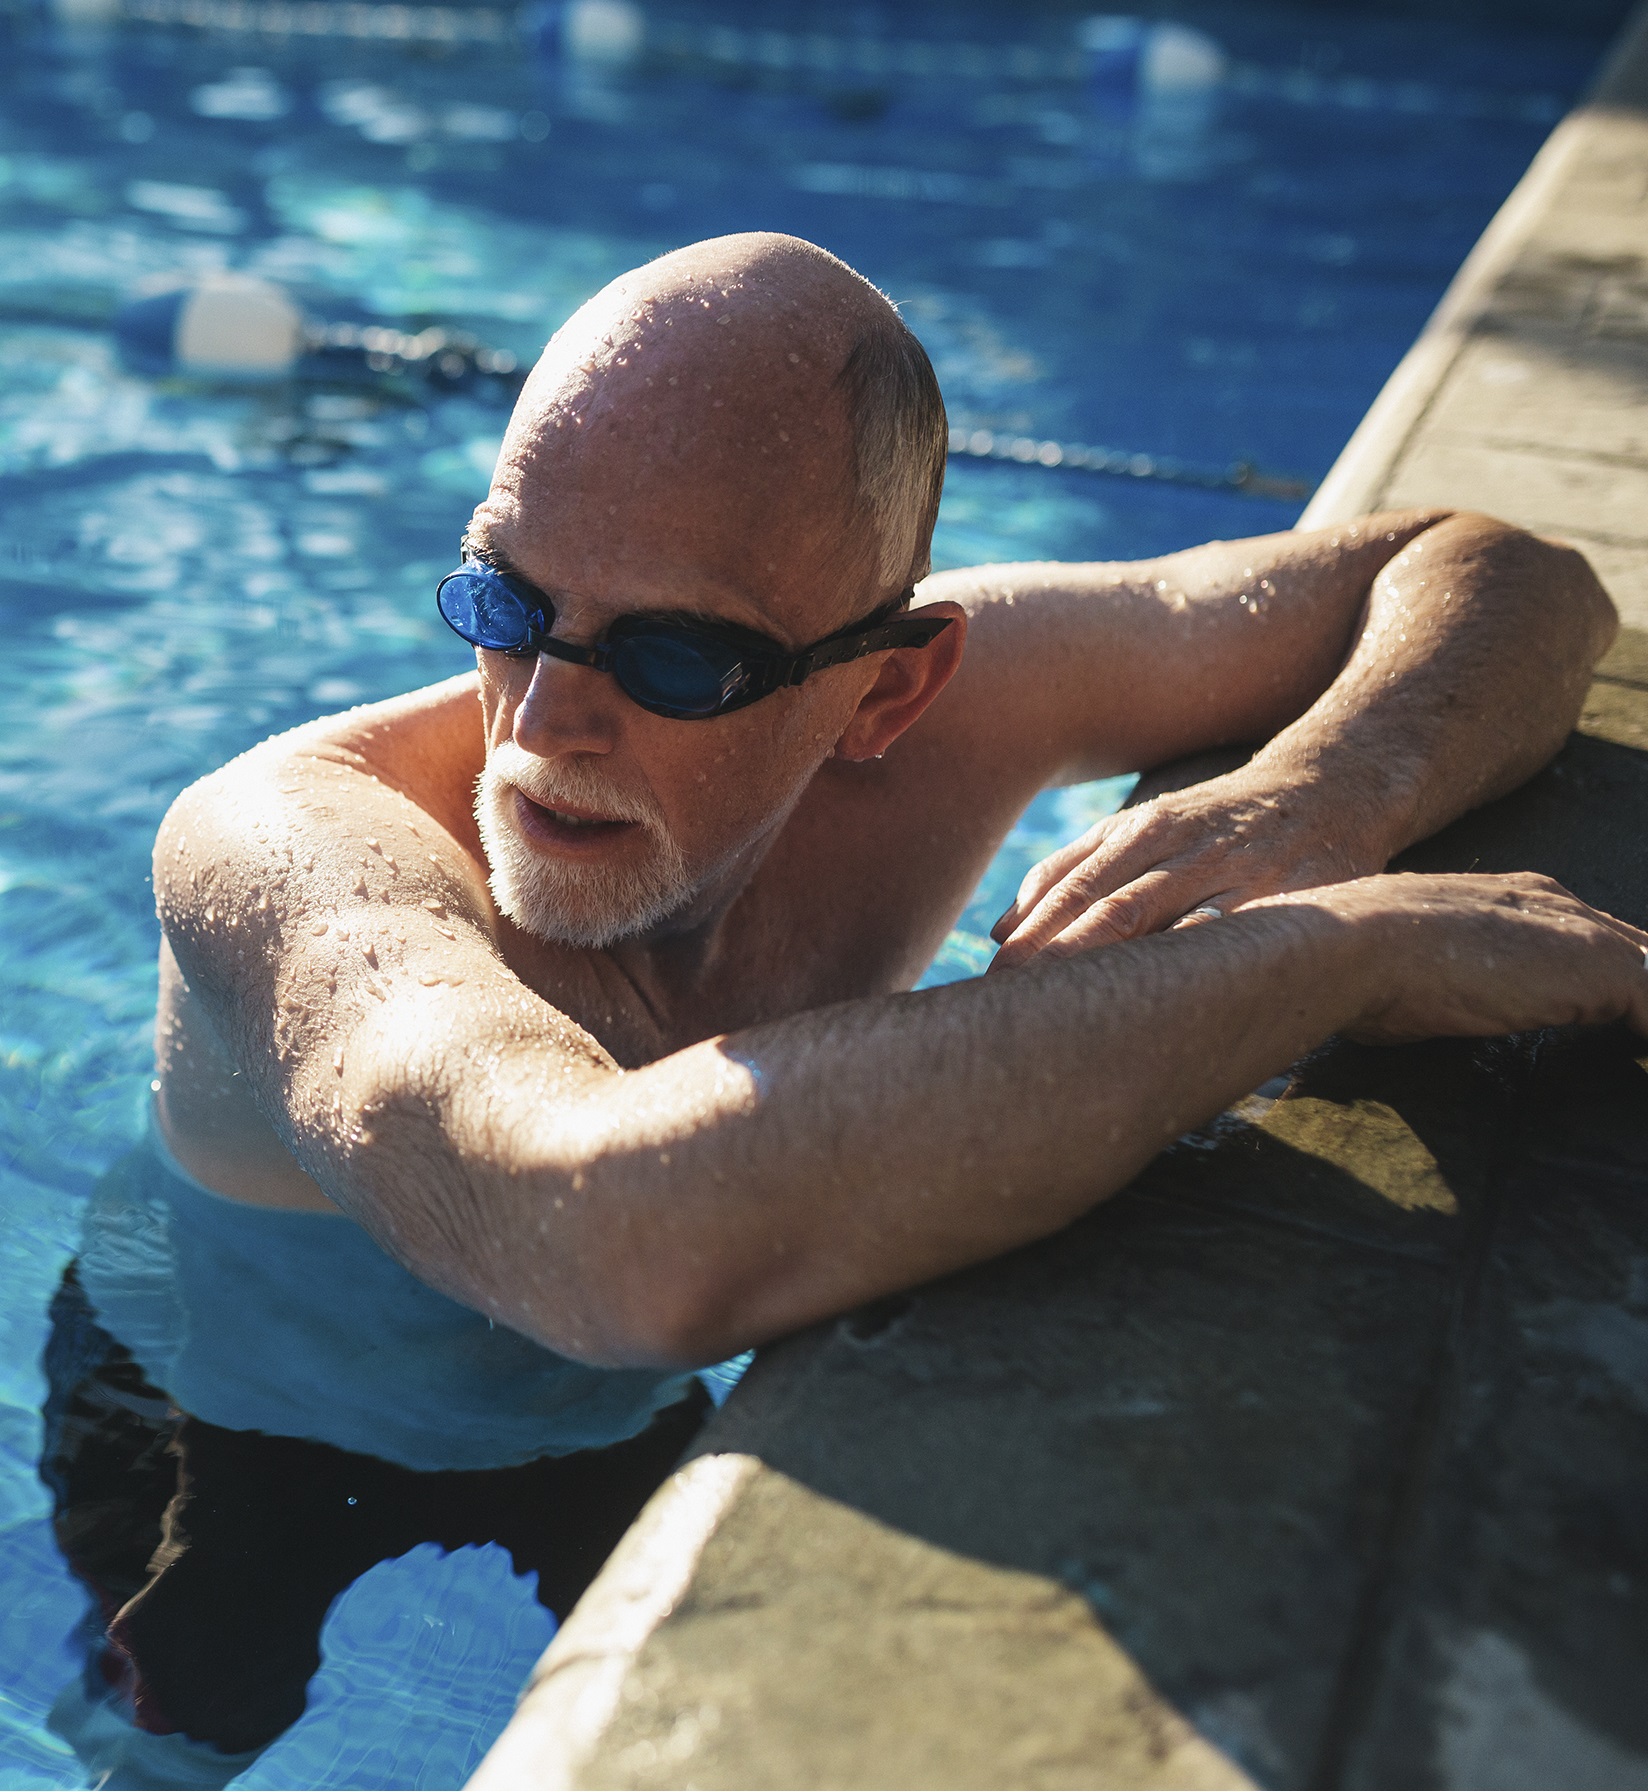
<point>1590,599</point>
<point>638,1314</point>
<point>1559,576</point>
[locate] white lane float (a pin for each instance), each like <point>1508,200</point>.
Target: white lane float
<point>240,329</point>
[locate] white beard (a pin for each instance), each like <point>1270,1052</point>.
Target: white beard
<point>574,905</point>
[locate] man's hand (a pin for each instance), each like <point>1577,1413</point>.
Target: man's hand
<point>1472,658</point>
<point>1475,956</point>
<point>1225,842</point>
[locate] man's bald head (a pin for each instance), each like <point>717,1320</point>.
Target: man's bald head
<point>758,390</point>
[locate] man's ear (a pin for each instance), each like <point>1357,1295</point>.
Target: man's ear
<point>909,679</point>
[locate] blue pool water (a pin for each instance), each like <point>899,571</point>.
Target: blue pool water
<point>1222,271</point>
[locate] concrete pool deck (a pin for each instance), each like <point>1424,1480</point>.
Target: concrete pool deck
<point>1315,1457</point>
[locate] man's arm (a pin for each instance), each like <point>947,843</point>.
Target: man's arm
<point>750,1184</point>
<point>1401,671</point>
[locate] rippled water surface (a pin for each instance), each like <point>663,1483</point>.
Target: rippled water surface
<point>1222,272</point>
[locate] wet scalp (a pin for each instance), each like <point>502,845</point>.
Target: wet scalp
<point>754,360</point>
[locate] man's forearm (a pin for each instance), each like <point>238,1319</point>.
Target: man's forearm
<point>1468,673</point>
<point>750,1185</point>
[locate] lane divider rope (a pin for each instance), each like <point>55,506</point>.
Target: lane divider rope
<point>731,47</point>
<point>1085,457</point>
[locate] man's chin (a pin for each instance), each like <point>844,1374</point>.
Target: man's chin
<point>559,923</point>
<point>579,897</point>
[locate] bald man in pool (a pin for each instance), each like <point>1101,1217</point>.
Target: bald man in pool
<point>582,982</point>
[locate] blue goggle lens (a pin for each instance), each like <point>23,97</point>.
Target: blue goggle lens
<point>677,675</point>
<point>483,609</point>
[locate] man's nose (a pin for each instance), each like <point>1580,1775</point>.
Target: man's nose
<point>568,709</point>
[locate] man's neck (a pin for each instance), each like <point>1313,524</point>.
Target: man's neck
<point>672,970</point>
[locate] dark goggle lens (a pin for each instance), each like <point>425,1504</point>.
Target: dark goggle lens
<point>483,609</point>
<point>677,674</point>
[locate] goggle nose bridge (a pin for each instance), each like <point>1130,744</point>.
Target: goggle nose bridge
<point>599,656</point>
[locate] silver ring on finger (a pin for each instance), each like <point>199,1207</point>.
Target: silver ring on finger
<point>1207,912</point>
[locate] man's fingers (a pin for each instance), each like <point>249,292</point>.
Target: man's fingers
<point>1072,879</point>
<point>1639,1000</point>
<point>1624,929</point>
<point>1141,906</point>
<point>1047,875</point>
<point>1210,908</point>
<point>1110,922</point>
<point>1637,991</point>
<point>1038,880</point>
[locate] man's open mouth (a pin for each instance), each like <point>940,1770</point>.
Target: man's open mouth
<point>565,827</point>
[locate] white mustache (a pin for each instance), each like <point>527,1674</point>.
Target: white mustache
<point>566,784</point>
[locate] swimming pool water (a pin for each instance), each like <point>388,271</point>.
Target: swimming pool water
<point>1221,272</point>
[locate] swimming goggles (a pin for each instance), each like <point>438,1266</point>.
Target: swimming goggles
<point>691,671</point>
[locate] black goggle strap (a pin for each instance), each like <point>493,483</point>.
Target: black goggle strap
<point>872,636</point>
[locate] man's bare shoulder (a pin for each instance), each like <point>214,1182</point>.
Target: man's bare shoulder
<point>328,928</point>
<point>427,743</point>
